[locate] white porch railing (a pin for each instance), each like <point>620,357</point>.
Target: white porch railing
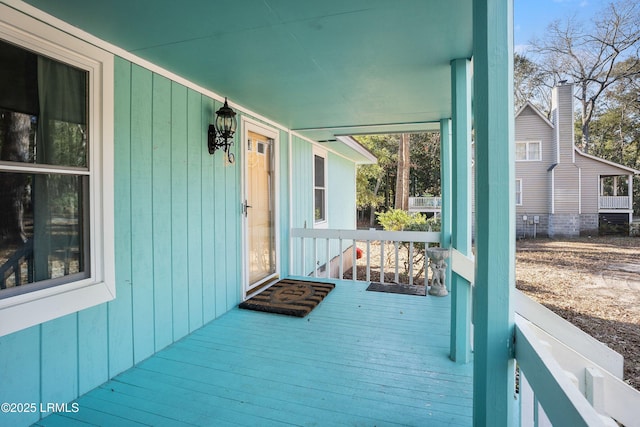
<point>425,204</point>
<point>566,376</point>
<point>615,202</point>
<point>314,248</point>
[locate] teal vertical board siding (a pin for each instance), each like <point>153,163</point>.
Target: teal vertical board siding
<point>142,212</point>
<point>194,208</point>
<point>179,214</point>
<point>93,348</point>
<point>220,226</point>
<point>20,373</point>
<point>233,232</point>
<point>302,199</point>
<point>284,217</point>
<point>161,167</point>
<point>208,218</point>
<point>59,369</point>
<point>120,314</point>
<point>177,249</point>
<point>341,192</point>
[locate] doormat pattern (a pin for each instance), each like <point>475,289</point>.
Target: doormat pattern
<point>398,288</point>
<point>290,297</point>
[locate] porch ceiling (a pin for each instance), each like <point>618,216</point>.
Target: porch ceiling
<point>323,67</point>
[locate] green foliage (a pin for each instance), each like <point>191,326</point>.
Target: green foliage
<point>399,220</point>
<point>376,184</point>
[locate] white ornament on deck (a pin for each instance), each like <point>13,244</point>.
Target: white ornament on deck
<point>438,265</point>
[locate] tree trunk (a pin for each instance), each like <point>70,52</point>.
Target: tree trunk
<point>15,129</point>
<point>372,215</point>
<point>402,178</point>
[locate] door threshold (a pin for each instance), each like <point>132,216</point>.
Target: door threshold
<point>261,287</point>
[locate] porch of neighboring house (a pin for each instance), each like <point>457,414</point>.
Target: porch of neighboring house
<point>359,358</point>
<point>616,193</point>
<point>425,204</point>
<point>615,204</point>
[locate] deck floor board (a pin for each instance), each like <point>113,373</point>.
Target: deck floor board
<point>359,359</point>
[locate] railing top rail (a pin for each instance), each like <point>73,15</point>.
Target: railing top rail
<point>567,333</point>
<point>561,399</point>
<point>372,235</point>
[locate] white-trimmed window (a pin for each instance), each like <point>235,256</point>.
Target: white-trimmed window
<point>319,187</point>
<point>528,151</point>
<point>518,192</point>
<point>56,179</point>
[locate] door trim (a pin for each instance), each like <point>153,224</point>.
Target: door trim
<point>250,125</point>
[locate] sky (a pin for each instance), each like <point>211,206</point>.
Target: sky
<point>531,17</point>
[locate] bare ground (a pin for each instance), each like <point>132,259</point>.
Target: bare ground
<point>592,282</point>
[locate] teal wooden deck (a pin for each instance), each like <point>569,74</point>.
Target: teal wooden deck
<point>359,359</point>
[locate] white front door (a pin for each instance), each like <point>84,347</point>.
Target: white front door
<point>259,206</point>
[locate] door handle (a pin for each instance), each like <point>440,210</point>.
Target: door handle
<point>245,208</point>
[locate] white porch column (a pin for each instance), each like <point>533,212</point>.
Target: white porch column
<point>493,383</point>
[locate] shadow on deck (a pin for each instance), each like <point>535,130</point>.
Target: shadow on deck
<point>360,358</point>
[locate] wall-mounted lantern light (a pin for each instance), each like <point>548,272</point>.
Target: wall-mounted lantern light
<point>221,132</point>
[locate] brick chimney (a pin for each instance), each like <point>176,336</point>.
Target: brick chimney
<point>562,118</point>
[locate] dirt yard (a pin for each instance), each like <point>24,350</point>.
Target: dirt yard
<point>592,282</point>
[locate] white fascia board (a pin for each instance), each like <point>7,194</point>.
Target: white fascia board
<point>606,162</point>
<point>538,112</point>
<point>350,142</point>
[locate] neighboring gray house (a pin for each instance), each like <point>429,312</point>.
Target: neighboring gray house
<point>559,189</point>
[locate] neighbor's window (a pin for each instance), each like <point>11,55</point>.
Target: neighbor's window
<point>56,200</point>
<point>528,151</point>
<point>319,188</point>
<point>518,192</point>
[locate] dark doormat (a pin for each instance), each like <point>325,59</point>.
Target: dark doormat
<point>398,288</point>
<point>290,297</point>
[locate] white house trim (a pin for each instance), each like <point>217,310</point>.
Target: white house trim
<point>606,162</point>
<point>35,307</point>
<point>542,116</point>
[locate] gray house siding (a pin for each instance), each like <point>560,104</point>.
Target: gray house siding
<point>562,118</point>
<point>534,176</point>
<point>592,170</point>
<point>560,193</point>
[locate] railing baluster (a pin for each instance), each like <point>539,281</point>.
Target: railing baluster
<point>354,259</point>
<point>315,257</point>
<point>426,267</point>
<point>410,263</point>
<point>302,253</point>
<point>396,246</point>
<point>368,260</point>
<point>382,261</point>
<point>340,266</point>
<point>328,257</point>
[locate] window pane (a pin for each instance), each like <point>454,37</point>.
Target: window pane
<point>521,151</point>
<point>534,151</point>
<point>43,109</point>
<point>42,229</point>
<point>319,171</point>
<point>319,205</point>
